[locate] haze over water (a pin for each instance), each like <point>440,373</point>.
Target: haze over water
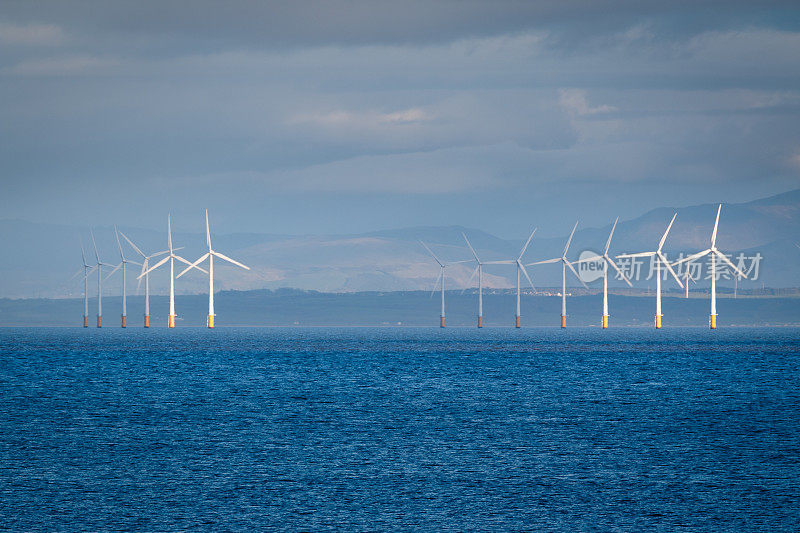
<point>427,429</point>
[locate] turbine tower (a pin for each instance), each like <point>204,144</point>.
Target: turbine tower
<point>86,270</point>
<point>145,270</point>
<point>123,263</point>
<point>564,265</point>
<point>520,269</point>
<point>660,259</point>
<point>715,254</point>
<point>100,266</point>
<point>171,257</point>
<point>210,255</point>
<point>479,271</point>
<point>606,260</point>
<point>442,266</point>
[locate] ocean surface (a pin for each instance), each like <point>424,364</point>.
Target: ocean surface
<point>400,429</point>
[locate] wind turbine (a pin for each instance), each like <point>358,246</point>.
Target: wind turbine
<point>171,258</point>
<point>520,269</point>
<point>442,266</point>
<point>606,259</point>
<point>100,266</point>
<point>145,266</point>
<point>715,253</point>
<point>123,263</point>
<point>86,269</point>
<point>564,264</point>
<point>479,271</point>
<point>210,255</point>
<point>660,259</point>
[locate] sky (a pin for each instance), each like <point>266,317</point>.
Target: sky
<point>348,116</point>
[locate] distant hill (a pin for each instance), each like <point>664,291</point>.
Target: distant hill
<point>39,257</point>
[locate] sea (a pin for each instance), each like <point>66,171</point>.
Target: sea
<point>400,429</point>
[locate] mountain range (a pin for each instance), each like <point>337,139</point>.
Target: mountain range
<point>40,257</point>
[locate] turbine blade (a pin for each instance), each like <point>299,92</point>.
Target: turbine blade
<point>716,224</point>
<point>169,231</point>
<point>138,251</point>
<point>691,257</point>
<point>229,260</point>
<point>730,263</point>
<point>474,272</point>
<point>208,232</point>
<point>83,255</point>
<point>576,273</point>
<point>554,260</point>
<point>669,267</point>
<point>193,265</point>
<point>94,243</point>
<point>590,259</point>
<point>613,264</point>
<point>643,254</point>
<point>664,238</point>
<point>471,248</point>
<point>608,242</point>
<point>521,266</point>
<point>119,244</point>
<point>186,262</point>
<point>112,272</point>
<point>432,254</point>
<point>78,273</point>
<point>526,245</point>
<point>570,239</point>
<point>154,267</point>
<point>436,285</point>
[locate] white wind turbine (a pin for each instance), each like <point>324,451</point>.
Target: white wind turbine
<point>123,264</point>
<point>171,258</point>
<point>564,265</point>
<point>478,270</point>
<point>86,270</point>
<point>715,254</point>
<point>520,269</point>
<point>606,259</point>
<point>440,278</point>
<point>210,255</point>
<point>100,266</point>
<point>660,259</point>
<point>145,270</point>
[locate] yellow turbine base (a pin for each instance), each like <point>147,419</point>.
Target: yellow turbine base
<point>99,322</point>
<point>210,321</point>
<point>124,321</point>
<point>519,322</point>
<point>605,321</point>
<point>712,321</point>
<point>147,321</point>
<point>658,321</point>
<point>441,321</point>
<point>172,321</point>
<point>480,321</point>
<point>563,321</point>
<point>86,321</point>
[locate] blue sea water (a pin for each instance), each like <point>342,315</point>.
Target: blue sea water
<point>400,429</point>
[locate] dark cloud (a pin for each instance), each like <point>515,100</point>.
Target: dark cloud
<point>357,115</point>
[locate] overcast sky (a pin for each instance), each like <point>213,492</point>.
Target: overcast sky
<point>346,116</point>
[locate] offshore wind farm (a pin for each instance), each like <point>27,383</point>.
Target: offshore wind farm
<point>353,265</point>
<point>660,265</point>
